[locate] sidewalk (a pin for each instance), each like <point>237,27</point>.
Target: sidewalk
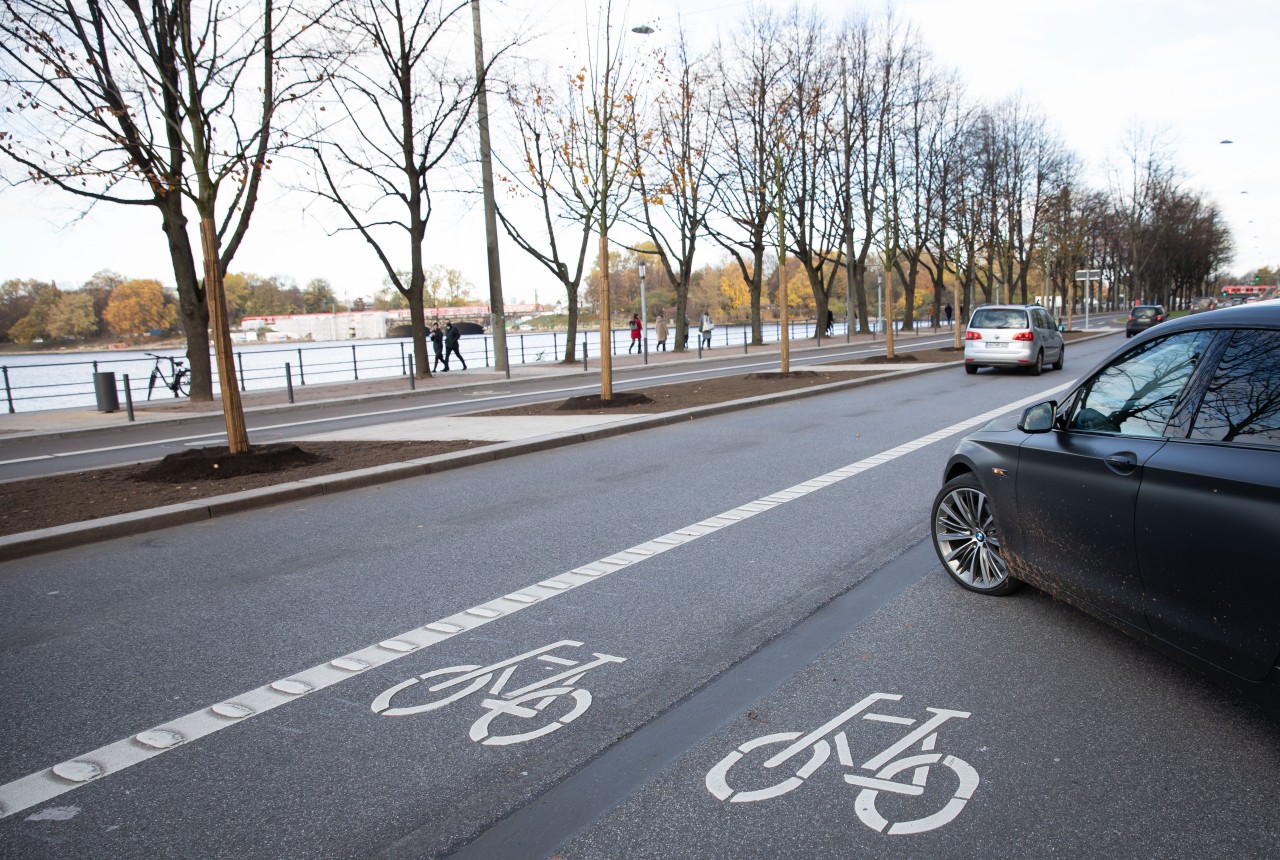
<point>76,421</point>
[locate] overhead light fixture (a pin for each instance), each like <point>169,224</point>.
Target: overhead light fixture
<point>1226,141</point>
<point>643,29</point>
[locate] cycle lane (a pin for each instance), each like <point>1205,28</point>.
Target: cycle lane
<point>1055,736</point>
<point>326,738</point>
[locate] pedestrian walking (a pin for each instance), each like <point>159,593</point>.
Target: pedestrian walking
<point>948,311</point>
<point>707,327</point>
<point>663,331</point>
<point>451,338</point>
<point>636,329</point>
<point>437,344</point>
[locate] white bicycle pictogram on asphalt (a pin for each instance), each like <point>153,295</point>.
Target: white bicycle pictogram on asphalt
<point>884,766</point>
<point>527,703</point>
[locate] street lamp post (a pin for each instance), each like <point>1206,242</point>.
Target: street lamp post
<point>644,317</point>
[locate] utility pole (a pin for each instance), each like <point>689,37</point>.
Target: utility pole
<point>496,310</point>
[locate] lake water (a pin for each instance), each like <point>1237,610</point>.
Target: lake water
<point>38,381</point>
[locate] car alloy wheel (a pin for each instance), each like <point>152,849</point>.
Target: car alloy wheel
<point>967,539</point>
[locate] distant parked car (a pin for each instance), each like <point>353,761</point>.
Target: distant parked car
<point>1149,496</point>
<point>1143,317</point>
<point>1013,336</point>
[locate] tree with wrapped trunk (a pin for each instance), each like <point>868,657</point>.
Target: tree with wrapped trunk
<point>574,155</point>
<point>749,122</point>
<point>152,105</point>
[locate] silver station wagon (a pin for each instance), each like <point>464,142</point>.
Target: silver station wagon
<point>1012,336</point>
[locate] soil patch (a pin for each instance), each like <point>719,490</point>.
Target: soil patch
<point>37,503</point>
<point>594,402</point>
<point>219,464</point>
<point>26,505</point>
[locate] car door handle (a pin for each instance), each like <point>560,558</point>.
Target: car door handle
<point>1121,464</point>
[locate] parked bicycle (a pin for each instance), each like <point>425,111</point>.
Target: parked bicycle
<point>178,379</point>
<point>884,766</point>
<point>528,702</point>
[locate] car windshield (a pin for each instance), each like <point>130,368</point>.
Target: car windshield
<point>998,318</point>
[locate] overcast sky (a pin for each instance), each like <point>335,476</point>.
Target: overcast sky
<point>1199,72</point>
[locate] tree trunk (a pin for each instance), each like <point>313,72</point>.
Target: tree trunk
<point>232,411</point>
<point>192,307</point>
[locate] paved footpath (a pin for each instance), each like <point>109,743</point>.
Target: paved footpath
<point>517,436</point>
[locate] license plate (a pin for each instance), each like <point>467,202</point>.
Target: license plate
<point>994,345</point>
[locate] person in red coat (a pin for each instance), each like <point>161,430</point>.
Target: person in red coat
<point>636,328</point>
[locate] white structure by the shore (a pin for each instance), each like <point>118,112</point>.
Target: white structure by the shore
<point>356,325</point>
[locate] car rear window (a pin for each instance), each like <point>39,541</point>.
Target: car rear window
<point>1143,313</point>
<point>999,318</point>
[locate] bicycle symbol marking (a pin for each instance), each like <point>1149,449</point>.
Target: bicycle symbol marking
<point>884,766</point>
<point>529,702</point>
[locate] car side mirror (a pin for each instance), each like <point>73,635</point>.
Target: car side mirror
<point>1038,418</point>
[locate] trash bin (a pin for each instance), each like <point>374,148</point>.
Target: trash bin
<point>104,388</point>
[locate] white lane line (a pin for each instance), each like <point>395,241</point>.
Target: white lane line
<point>63,777</point>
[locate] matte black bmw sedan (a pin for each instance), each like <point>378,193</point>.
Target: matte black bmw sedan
<point>1149,495</point>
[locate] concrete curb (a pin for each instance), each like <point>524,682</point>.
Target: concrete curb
<point>26,544</point>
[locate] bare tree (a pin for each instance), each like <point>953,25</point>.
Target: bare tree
<point>404,101</point>
<point>874,56</point>
<point>812,134</point>
<point>749,123</point>
<point>576,160</point>
<point>545,169</point>
<point>162,105</point>
<point>673,189</point>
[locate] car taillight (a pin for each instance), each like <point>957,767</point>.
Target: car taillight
<point>972,335</point>
<point>1024,335</point>
<point>1158,317</point>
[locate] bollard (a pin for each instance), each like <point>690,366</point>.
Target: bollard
<point>288,380</point>
<point>128,397</point>
<point>413,385</point>
<point>584,353</point>
<point>746,340</point>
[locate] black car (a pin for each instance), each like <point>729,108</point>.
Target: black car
<point>1148,496</point>
<point>1143,317</point>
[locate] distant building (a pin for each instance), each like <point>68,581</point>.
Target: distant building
<point>357,325</point>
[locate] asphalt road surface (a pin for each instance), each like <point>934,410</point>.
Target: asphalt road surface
<point>718,639</point>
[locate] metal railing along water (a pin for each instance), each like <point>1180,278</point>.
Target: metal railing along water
<point>33,383</point>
